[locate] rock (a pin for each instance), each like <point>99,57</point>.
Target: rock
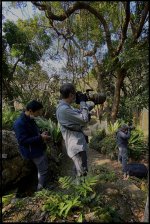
<point>16,171</point>
<point>9,144</point>
<point>12,169</point>
<point>90,217</point>
<point>7,208</point>
<point>13,166</point>
<point>112,191</point>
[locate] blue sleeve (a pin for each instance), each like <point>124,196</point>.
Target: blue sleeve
<point>23,137</point>
<point>123,135</point>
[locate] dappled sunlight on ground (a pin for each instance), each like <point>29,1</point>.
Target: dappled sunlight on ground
<point>98,161</point>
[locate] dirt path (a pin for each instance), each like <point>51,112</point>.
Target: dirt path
<point>128,196</point>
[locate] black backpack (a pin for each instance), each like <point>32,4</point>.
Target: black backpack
<point>137,170</point>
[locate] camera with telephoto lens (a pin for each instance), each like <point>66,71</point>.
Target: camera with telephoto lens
<point>130,126</point>
<point>97,98</point>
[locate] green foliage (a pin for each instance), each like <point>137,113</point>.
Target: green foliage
<point>105,144</point>
<point>61,205</point>
<point>19,36</point>
<point>96,139</point>
<point>65,182</point>
<point>112,128</point>
<point>108,176</point>
<point>23,47</point>
<point>105,174</point>
<point>126,109</point>
<point>137,147</point>
<point>77,199</point>
<point>137,89</point>
<point>85,188</point>
<point>80,219</point>
<point>8,117</point>
<point>107,214</point>
<point>52,128</point>
<point>7,199</point>
<point>109,147</point>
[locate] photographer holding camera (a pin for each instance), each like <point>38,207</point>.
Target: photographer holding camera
<point>122,136</point>
<point>71,123</point>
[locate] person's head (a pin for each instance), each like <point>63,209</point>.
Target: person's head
<point>68,92</point>
<point>124,128</point>
<point>34,109</point>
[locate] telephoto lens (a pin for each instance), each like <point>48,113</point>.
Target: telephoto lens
<point>98,98</point>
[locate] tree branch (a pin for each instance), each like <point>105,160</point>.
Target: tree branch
<point>38,5</point>
<point>142,21</point>
<point>15,65</point>
<point>125,27</point>
<point>76,6</point>
<point>85,53</point>
<point>92,52</point>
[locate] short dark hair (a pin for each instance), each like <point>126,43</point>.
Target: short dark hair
<point>34,105</point>
<point>66,89</point>
<point>124,127</point>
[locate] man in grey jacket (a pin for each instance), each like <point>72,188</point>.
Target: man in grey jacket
<point>122,137</point>
<point>71,123</point>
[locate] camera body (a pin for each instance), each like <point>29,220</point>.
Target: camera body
<point>130,126</point>
<point>97,98</point>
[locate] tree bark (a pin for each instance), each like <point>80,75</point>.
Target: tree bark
<point>116,100</point>
<point>100,87</point>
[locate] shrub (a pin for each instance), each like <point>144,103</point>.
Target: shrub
<point>112,128</point>
<point>137,146</point>
<point>106,144</point>
<point>8,117</point>
<point>109,147</point>
<point>63,205</point>
<point>52,128</point>
<point>95,141</point>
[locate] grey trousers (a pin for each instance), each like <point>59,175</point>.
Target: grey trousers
<point>80,164</point>
<point>123,158</point>
<point>42,167</point>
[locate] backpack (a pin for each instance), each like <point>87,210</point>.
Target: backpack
<point>137,170</point>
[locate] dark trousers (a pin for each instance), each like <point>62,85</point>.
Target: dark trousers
<point>123,158</point>
<point>80,163</point>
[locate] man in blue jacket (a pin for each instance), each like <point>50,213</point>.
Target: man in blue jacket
<point>31,143</point>
<point>122,137</point>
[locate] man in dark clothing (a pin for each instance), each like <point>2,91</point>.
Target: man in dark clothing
<point>31,143</point>
<point>122,137</point>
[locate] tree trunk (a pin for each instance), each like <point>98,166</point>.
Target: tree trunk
<point>116,100</point>
<point>98,69</point>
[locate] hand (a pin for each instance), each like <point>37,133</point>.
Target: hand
<point>45,133</point>
<point>45,137</point>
